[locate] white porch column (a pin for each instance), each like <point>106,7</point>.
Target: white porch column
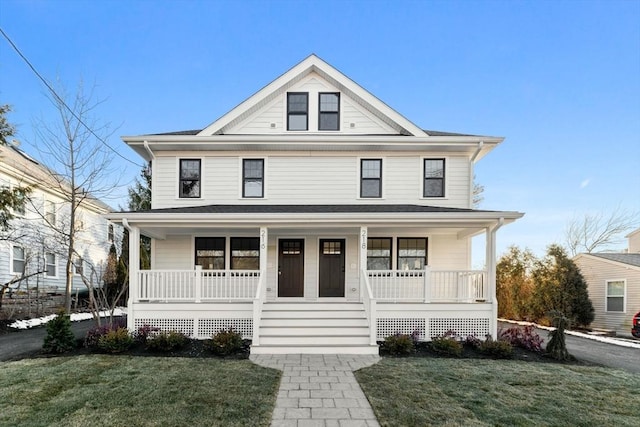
<point>134,268</point>
<point>264,240</point>
<point>491,276</point>
<point>363,254</point>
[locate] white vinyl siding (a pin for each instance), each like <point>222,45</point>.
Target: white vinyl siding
<point>174,253</point>
<point>309,177</point>
<point>596,273</point>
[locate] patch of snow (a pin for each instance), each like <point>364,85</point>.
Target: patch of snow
<point>607,340</point>
<point>75,317</point>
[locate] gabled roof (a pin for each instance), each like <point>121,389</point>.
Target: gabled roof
<point>314,64</point>
<point>28,171</point>
<point>631,259</point>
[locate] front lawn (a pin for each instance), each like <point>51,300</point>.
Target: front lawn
<point>100,390</point>
<point>466,392</point>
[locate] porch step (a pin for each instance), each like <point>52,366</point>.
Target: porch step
<point>314,328</point>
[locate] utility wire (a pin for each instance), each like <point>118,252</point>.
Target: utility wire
<point>61,101</point>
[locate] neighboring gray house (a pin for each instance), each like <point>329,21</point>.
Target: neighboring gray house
<point>613,281</point>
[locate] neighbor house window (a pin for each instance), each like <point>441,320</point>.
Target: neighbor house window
<point>370,178</point>
<point>615,295</point>
<point>379,254</point>
<point>253,178</point>
<point>110,236</point>
<point>18,260</point>
<point>245,253</point>
<point>433,178</point>
<point>50,265</point>
<point>297,111</point>
<point>78,266</point>
<point>50,212</point>
<point>329,110</point>
<point>190,177</point>
<point>210,252</point>
<point>412,253</point>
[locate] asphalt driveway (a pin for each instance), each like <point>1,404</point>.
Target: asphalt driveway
<point>599,353</point>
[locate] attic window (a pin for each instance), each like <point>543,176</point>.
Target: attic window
<point>329,111</point>
<point>297,111</point>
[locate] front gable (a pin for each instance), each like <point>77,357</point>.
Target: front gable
<point>360,113</point>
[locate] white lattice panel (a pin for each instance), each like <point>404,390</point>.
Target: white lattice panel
<point>391,326</point>
<point>184,326</point>
<point>460,326</point>
<point>208,327</point>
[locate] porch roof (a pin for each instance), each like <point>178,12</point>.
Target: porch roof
<point>160,222</point>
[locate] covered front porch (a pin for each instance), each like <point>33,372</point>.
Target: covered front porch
<point>314,285</point>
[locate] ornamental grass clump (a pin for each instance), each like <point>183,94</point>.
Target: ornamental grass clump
<point>497,349</point>
<point>115,341</point>
<point>399,344</point>
<point>167,341</point>
<point>225,342</point>
<point>447,345</point>
<point>59,338</point>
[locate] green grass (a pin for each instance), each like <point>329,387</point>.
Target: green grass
<point>102,390</point>
<point>454,392</point>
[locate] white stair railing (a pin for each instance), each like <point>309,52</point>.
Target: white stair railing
<point>369,306</point>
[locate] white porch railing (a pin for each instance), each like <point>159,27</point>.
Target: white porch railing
<point>258,301</point>
<point>428,285</point>
<point>197,285</point>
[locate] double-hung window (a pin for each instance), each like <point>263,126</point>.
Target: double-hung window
<point>412,253</point>
<point>245,253</point>
<point>190,178</point>
<point>329,111</point>
<point>18,260</point>
<point>110,235</point>
<point>78,265</point>
<point>615,295</point>
<point>370,178</point>
<point>50,212</point>
<point>210,252</point>
<point>433,178</point>
<point>51,265</point>
<point>253,178</point>
<point>297,111</point>
<point>379,254</point>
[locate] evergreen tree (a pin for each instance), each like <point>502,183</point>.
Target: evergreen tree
<point>514,283</point>
<point>561,287</point>
<point>59,338</point>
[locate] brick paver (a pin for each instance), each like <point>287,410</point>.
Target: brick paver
<point>319,390</point>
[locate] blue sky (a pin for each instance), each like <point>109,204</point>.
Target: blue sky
<point>560,80</point>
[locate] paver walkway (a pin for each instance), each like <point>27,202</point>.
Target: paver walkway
<point>320,390</point>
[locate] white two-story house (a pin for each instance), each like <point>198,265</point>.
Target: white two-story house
<point>313,218</point>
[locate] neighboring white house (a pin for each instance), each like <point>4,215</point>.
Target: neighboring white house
<point>613,281</point>
<point>31,245</point>
<point>313,218</point>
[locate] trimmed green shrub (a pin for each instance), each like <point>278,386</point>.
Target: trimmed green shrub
<point>446,345</point>
<point>144,332</point>
<point>59,338</point>
<point>498,349</point>
<point>399,344</point>
<point>225,342</point>
<point>115,341</point>
<point>167,341</point>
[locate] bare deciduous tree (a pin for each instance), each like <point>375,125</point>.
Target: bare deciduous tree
<point>74,147</point>
<point>599,230</point>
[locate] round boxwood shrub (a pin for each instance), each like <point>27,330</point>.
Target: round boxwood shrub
<point>399,344</point>
<point>446,345</point>
<point>115,341</point>
<point>225,342</point>
<point>167,341</point>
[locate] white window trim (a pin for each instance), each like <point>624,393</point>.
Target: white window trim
<point>446,177</point>
<point>74,266</point>
<point>265,168</point>
<point>55,260</point>
<point>50,204</point>
<point>383,172</point>
<point>11,259</point>
<point>624,296</point>
<point>177,184</point>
